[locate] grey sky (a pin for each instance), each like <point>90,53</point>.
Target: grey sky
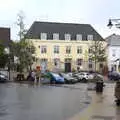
<point>94,12</point>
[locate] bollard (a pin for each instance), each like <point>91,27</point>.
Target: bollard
<point>99,86</point>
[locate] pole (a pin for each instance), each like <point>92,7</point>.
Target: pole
<point>9,68</point>
<point>95,56</point>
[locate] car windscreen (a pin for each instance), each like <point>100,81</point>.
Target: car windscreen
<point>55,75</point>
<point>64,75</point>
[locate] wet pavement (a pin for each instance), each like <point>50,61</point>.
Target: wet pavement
<point>28,102</point>
<point>102,107</point>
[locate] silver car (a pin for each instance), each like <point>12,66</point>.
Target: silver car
<point>84,76</point>
<point>68,78</point>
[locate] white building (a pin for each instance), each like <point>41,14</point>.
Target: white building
<point>113,50</point>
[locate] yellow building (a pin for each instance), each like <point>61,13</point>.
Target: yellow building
<point>63,46</point>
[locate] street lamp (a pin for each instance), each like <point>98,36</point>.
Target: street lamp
<point>115,21</point>
<point>7,51</point>
<point>110,23</point>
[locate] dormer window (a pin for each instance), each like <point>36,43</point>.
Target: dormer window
<point>90,37</point>
<point>78,37</point>
<point>43,36</point>
<point>67,37</point>
<point>55,36</point>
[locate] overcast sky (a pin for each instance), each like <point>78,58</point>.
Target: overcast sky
<point>94,12</point>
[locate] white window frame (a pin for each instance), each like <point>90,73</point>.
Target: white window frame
<point>43,36</point>
<point>55,36</point>
<point>67,36</point>
<point>56,62</point>
<point>79,37</point>
<point>90,65</point>
<point>43,49</point>
<point>89,37</point>
<point>90,60</point>
<point>68,49</point>
<point>79,61</point>
<point>90,50</point>
<point>56,49</point>
<point>79,48</point>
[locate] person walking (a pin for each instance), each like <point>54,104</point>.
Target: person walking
<point>117,93</point>
<point>38,76</point>
<point>33,74</point>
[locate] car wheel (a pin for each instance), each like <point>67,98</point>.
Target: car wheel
<point>53,82</point>
<point>72,82</point>
<point>65,81</point>
<point>79,80</point>
<point>118,102</point>
<point>84,80</point>
<point>111,79</point>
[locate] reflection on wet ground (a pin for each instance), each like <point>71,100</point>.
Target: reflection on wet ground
<point>28,102</point>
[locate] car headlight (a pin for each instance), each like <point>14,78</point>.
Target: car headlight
<point>2,76</point>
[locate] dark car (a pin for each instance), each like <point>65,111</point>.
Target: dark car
<point>3,78</point>
<point>68,78</point>
<point>114,75</point>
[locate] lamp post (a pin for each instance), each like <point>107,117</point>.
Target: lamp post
<point>116,23</point>
<point>7,50</point>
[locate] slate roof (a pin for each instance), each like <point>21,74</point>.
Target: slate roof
<point>113,40</point>
<point>61,28</point>
<point>5,36</point>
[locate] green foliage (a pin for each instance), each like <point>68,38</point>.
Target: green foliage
<point>1,49</point>
<point>73,70</point>
<point>3,57</point>
<point>21,25</point>
<point>23,49</point>
<point>97,51</point>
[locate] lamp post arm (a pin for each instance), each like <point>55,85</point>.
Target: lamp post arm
<point>115,19</point>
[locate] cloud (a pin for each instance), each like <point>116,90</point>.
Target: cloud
<point>94,12</point>
<point>6,4</point>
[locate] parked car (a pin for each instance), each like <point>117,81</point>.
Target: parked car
<point>83,76</point>
<point>93,82</point>
<point>3,78</point>
<point>68,78</point>
<point>45,78</point>
<point>70,74</point>
<point>55,78</point>
<point>98,77</point>
<point>114,75</point>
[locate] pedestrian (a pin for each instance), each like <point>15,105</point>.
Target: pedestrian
<point>38,76</point>
<point>117,90</point>
<point>33,74</point>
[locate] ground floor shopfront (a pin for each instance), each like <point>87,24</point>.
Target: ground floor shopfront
<point>67,65</point>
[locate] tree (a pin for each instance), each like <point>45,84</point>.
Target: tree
<point>3,57</point>
<point>97,52</point>
<point>23,49</point>
<point>21,25</point>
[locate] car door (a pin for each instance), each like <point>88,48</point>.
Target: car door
<point>81,75</point>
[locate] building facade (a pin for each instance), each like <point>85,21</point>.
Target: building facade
<point>63,46</point>
<point>113,49</point>
<point>5,36</point>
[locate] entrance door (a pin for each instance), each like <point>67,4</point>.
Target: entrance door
<point>67,67</point>
<point>68,64</point>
